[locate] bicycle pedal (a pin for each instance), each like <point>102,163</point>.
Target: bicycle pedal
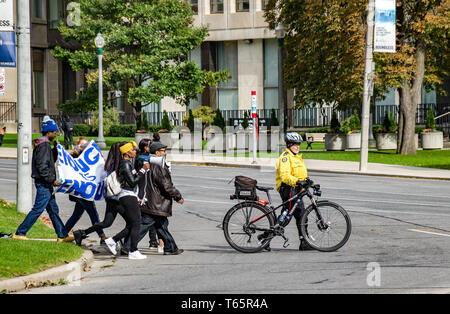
<point>286,244</point>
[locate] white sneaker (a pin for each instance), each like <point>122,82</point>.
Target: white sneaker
<point>136,255</point>
<point>111,244</point>
<point>160,249</point>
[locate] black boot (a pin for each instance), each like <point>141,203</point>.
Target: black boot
<point>79,235</point>
<point>304,246</point>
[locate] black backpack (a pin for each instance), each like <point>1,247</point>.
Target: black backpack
<point>69,125</point>
<point>245,188</point>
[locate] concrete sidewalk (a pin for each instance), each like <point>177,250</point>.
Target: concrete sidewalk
<point>268,164</point>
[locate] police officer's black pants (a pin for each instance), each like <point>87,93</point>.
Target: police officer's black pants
<point>286,192</point>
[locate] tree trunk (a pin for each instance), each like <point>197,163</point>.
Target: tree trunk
<point>409,98</point>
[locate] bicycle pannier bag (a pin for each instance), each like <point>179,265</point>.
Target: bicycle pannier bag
<point>245,188</point>
<point>113,186</point>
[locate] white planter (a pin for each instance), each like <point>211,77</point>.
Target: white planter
<point>432,140</point>
<point>386,141</point>
<point>335,141</point>
<point>353,141</point>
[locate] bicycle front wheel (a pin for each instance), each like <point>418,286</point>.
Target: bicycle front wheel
<point>242,232</point>
<point>327,227</point>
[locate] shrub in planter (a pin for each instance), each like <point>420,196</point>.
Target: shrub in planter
<point>335,139</point>
<point>385,135</point>
<point>126,130</point>
<point>352,127</point>
<point>82,130</point>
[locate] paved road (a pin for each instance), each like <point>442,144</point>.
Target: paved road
<point>401,225</point>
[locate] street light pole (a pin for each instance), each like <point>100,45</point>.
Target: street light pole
<point>280,33</point>
<point>100,43</point>
<point>24,183</point>
<point>365,115</point>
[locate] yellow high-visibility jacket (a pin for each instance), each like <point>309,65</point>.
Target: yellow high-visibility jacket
<point>290,169</point>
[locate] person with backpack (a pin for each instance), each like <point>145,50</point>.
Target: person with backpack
<point>67,127</point>
<point>129,179</point>
<point>44,175</point>
<point>82,205</point>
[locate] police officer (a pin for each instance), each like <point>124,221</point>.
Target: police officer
<point>291,170</point>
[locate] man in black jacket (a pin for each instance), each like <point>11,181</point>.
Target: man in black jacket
<point>160,192</point>
<point>44,175</point>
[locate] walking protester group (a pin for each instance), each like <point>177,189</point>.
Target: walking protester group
<point>145,200</point>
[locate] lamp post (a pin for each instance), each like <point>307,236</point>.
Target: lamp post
<point>100,43</point>
<point>280,33</point>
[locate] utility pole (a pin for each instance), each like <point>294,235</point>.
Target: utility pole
<point>24,149</point>
<point>365,116</point>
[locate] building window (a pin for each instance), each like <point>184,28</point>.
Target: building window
<point>270,74</point>
<point>216,6</point>
<point>55,13</point>
<point>242,5</point>
<point>38,79</point>
<point>264,3</point>
<point>227,55</point>
<point>37,9</point>
<point>194,6</point>
<point>195,55</point>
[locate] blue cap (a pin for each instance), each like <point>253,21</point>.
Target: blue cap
<point>49,126</point>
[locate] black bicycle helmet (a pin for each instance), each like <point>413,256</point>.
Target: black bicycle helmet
<point>292,138</point>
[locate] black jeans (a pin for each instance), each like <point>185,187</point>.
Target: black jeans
<point>113,208</point>
<point>286,192</point>
<point>161,224</point>
<point>68,139</point>
<point>1,139</point>
<point>132,218</point>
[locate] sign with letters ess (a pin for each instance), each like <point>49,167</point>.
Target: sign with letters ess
<point>82,177</point>
<point>6,16</point>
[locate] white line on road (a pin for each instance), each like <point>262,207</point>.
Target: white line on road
<point>8,180</point>
<point>428,232</point>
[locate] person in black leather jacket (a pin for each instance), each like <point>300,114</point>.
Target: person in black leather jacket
<point>129,179</point>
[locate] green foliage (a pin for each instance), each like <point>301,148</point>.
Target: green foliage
<point>126,130</point>
<point>110,118</point>
<point>245,123</point>
<point>82,130</point>
<point>273,118</point>
<point>219,121</point>
<point>334,123</point>
<point>165,122</point>
<point>205,113</point>
<point>350,124</point>
<point>147,48</point>
<point>430,124</point>
<point>389,124</point>
<point>189,119</point>
<point>144,123</point>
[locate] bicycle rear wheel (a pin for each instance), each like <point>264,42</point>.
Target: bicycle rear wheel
<point>244,235</point>
<point>326,229</point>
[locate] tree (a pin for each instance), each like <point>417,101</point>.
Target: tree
<point>189,120</point>
<point>273,118</point>
<point>147,48</point>
<point>325,62</point>
<point>165,122</point>
<point>245,123</point>
<point>219,120</point>
<point>431,124</point>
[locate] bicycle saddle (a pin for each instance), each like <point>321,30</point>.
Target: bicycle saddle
<point>264,188</point>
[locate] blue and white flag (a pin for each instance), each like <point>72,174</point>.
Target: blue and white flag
<point>82,177</point>
<point>384,31</point>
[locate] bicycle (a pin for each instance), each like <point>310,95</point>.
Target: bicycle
<point>249,226</point>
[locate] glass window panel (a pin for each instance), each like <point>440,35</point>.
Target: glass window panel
<point>36,9</point>
<point>271,98</point>
<point>242,6</point>
<point>194,6</point>
<point>270,63</point>
<point>38,89</point>
<point>389,100</point>
<point>55,11</point>
<point>428,97</point>
<point>216,6</point>
<point>227,60</point>
<point>228,99</point>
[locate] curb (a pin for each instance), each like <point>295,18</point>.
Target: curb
<point>229,165</point>
<point>70,272</point>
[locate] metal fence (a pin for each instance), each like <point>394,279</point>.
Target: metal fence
<point>8,112</point>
